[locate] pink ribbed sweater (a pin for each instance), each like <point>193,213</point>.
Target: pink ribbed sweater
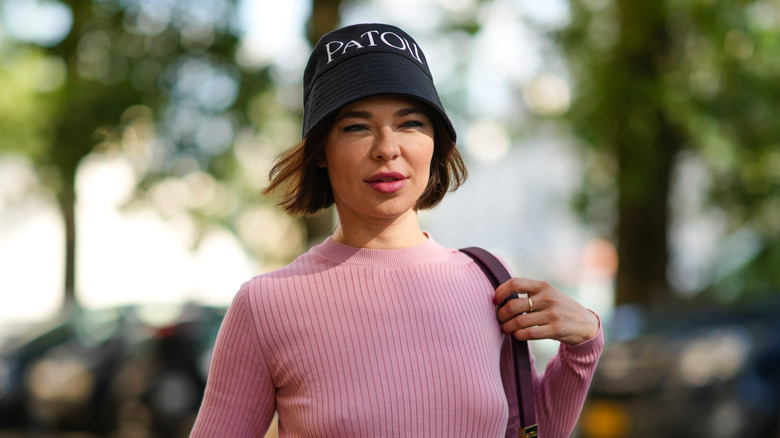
<point>348,342</point>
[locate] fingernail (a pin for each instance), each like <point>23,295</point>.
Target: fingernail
<point>495,301</point>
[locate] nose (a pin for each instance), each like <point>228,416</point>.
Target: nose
<point>386,145</point>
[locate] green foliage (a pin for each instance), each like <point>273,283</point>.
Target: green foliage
<point>25,110</point>
<point>158,82</point>
<point>708,78</point>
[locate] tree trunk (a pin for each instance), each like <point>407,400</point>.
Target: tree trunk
<point>67,204</point>
<point>646,144</point>
<point>644,215</point>
<point>325,16</point>
<point>69,149</point>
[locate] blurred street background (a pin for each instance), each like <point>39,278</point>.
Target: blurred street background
<point>626,151</point>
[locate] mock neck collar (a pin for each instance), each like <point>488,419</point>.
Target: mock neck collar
<point>342,253</point>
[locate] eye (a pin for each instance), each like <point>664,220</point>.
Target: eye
<point>355,128</point>
<point>412,124</point>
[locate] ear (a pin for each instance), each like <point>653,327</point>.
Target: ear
<point>322,164</point>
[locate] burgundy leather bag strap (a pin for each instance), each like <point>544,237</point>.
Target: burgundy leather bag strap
<point>497,274</point>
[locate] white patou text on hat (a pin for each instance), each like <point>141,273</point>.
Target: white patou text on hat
<point>389,39</point>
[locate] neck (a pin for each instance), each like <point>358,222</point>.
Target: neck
<point>401,232</point>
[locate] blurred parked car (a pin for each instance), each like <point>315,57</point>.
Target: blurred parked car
<point>698,373</point>
<point>139,368</point>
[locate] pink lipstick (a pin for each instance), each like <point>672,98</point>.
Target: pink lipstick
<point>387,182</point>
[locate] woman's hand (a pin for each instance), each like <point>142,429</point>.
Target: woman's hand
<point>547,313</point>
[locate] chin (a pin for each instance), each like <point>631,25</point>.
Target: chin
<point>395,209</point>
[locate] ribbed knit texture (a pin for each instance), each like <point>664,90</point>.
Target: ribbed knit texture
<point>348,342</point>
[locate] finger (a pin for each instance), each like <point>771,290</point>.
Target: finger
<point>521,285</point>
<point>506,300</point>
<point>514,307</point>
<point>533,333</point>
<point>563,332</point>
<point>522,322</point>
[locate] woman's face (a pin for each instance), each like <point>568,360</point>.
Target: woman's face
<point>378,155</point>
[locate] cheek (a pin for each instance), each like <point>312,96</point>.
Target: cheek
<point>339,173</point>
<point>426,159</point>
<point>335,173</point>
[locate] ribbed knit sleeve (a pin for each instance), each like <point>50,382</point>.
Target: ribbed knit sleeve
<point>560,392</point>
<point>239,400</point>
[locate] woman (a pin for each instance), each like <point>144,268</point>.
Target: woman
<point>379,330</point>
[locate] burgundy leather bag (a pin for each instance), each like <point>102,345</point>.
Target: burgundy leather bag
<point>497,274</point>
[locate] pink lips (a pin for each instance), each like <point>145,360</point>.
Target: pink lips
<point>387,182</point>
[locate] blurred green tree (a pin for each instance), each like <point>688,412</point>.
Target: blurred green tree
<point>157,80</point>
<point>662,81</point>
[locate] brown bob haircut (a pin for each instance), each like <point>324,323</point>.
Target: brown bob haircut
<point>305,187</point>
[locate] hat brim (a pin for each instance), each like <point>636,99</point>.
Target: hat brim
<point>374,74</point>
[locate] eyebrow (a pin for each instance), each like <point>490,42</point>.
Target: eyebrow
<point>368,115</point>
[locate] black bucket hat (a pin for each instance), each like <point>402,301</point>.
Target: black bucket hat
<point>364,60</point>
